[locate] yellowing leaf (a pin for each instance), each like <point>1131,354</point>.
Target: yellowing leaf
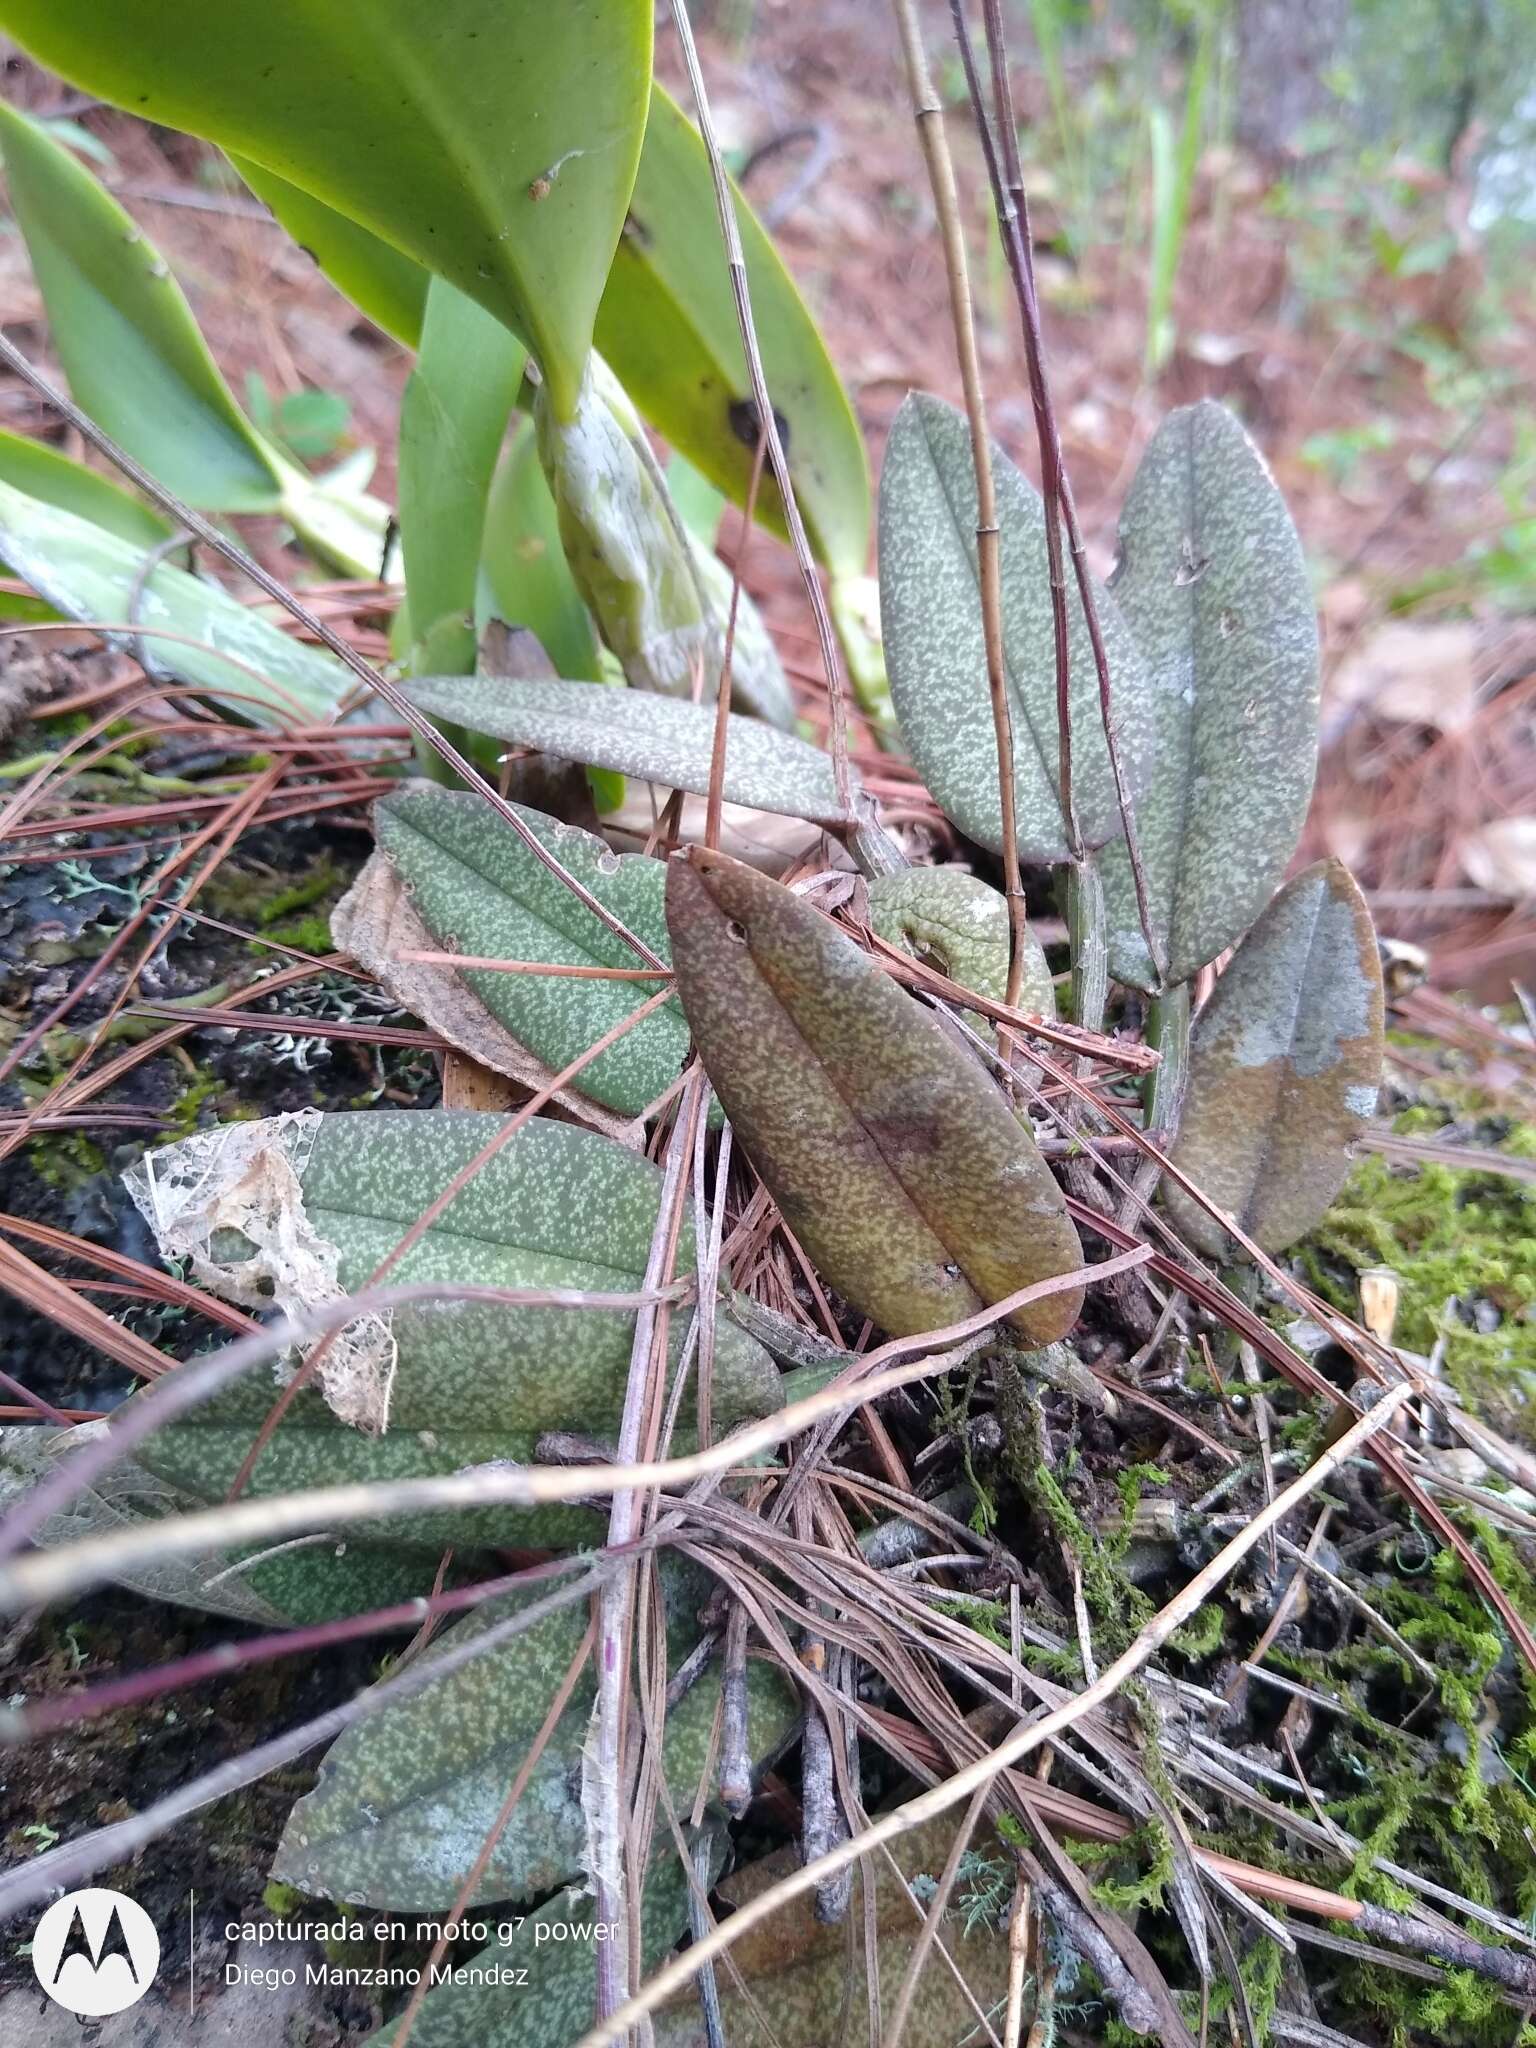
<point>897,1164</point>
<point>1284,1067</point>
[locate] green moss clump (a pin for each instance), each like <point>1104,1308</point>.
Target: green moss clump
<point>1446,1232</point>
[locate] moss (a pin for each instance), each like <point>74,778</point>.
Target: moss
<point>1447,1233</point>
<point>65,1160</point>
<point>308,934</point>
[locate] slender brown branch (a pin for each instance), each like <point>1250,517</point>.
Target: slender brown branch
<point>929,116</point>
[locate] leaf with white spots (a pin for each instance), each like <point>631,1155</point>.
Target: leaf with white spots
<point>1213,583</point>
<point>1284,1068</point>
<point>636,732</point>
<point>558,1207</point>
<point>480,889</point>
<point>895,1161</point>
<point>955,921</point>
<point>930,608</point>
<point>406,1799</point>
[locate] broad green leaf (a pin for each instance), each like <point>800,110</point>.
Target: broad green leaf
<point>315,1582</point>
<point>524,577</point>
<point>758,681</point>
<point>698,502</point>
<point>138,365</point>
<point>452,420</point>
<point>668,327</point>
<point>555,2002</point>
<point>930,605</point>
<point>492,140</point>
<point>954,921</point>
<point>405,1800</point>
<point>389,286</point>
<point>284,1212</point>
<point>1213,584</point>
<point>125,334</point>
<point>242,661</point>
<point>659,739</point>
<point>479,889</point>
<point>39,471</point>
<point>896,1163</point>
<point>1284,1067</point>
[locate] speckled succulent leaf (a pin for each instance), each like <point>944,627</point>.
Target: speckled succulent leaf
<point>797,1969</point>
<point>557,1207</point>
<point>453,415</point>
<point>222,647</point>
<point>315,1583</point>
<point>497,145</point>
<point>895,1161</point>
<point>556,2002</point>
<point>659,739</point>
<point>1213,583</point>
<point>930,609</point>
<point>959,924</point>
<point>405,1800</point>
<point>631,561</point>
<point>1285,1065</point>
<point>479,889</point>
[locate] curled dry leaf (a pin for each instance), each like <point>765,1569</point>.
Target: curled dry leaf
<point>930,606</point>
<point>481,890</point>
<point>897,1164</point>
<point>659,739</point>
<point>1212,581</point>
<point>377,924</point>
<point>1284,1068</point>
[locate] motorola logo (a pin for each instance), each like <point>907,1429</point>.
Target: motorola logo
<point>95,1952</point>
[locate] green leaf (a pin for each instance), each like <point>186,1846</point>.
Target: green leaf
<point>494,143</point>
<point>39,471</point>
<point>138,365</point>
<point>1284,1068</point>
<point>90,574</point>
<point>389,286</point>
<point>316,1582</point>
<point>452,420</point>
<point>659,739</point>
<point>405,1800</point>
<point>556,2000</point>
<point>1213,583</point>
<point>668,327</point>
<point>896,1163</point>
<point>479,889</point>
<point>930,605</point>
<point>956,922</point>
<point>261,1210</point>
<point>125,334</point>
<point>523,572</point>
<point>758,681</point>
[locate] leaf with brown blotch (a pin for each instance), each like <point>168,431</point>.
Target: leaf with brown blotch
<point>1285,1067</point>
<point>896,1163</point>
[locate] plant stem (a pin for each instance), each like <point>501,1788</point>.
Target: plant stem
<point>1168,1032</point>
<point>1089,941</point>
<point>929,116</point>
